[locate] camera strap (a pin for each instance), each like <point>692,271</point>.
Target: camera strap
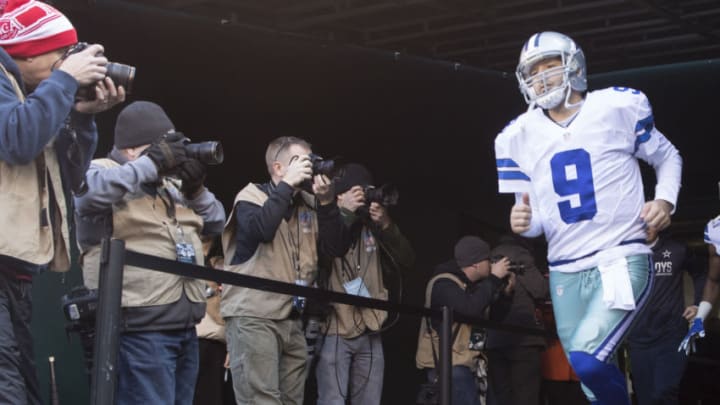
<point>432,344</point>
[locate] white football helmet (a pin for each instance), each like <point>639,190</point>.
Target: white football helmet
<point>544,45</point>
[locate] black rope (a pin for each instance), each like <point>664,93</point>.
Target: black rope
<point>243,280</point>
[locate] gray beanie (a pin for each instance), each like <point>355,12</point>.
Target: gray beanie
<point>470,250</point>
<point>141,123</point>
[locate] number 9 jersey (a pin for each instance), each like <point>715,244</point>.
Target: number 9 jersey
<point>584,182</point>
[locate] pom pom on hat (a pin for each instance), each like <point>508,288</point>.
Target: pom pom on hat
<point>30,28</point>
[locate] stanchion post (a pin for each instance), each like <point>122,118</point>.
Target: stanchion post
<point>107,323</point>
<point>446,356</point>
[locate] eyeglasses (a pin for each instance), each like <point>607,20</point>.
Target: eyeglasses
<point>286,142</point>
<point>64,56</point>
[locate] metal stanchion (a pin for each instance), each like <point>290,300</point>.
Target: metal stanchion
<point>104,373</point>
<point>446,356</point>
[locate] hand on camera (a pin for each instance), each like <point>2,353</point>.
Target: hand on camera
<point>500,268</point>
<point>510,286</point>
<point>520,215</point>
<point>322,188</point>
<point>87,66</point>
<point>168,152</point>
<point>107,96</point>
<point>192,173</point>
<point>299,170</point>
<point>379,215</point>
<point>352,199</point>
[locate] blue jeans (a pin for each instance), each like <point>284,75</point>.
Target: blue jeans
<point>158,368</point>
<point>18,378</point>
<point>350,368</point>
<point>464,389</point>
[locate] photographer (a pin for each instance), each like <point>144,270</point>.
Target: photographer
<point>467,285</point>
<point>276,231</point>
<point>351,361</point>
<point>46,142</point>
<point>515,359</point>
<point>132,197</point>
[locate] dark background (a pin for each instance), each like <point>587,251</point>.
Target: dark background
<point>424,125</point>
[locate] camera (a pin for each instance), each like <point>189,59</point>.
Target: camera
<point>79,306</point>
<point>515,267</point>
<point>319,166</point>
<point>121,75</point>
<point>386,195</point>
<point>210,153</point>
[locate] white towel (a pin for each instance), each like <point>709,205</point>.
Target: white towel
<point>617,289</point>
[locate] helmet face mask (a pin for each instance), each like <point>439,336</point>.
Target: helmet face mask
<point>553,84</point>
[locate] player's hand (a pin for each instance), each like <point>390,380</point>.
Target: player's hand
<point>379,215</point>
<point>322,188</point>
<point>656,214</point>
<point>352,199</point>
<point>299,170</point>
<point>520,215</point>
<point>697,331</point>
<point>690,312</point>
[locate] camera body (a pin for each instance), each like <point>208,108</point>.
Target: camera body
<point>515,267</point>
<point>79,306</point>
<point>386,195</point>
<point>319,166</point>
<point>121,75</point>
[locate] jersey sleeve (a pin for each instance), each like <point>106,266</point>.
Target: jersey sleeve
<point>653,147</point>
<point>511,176</point>
<point>712,233</point>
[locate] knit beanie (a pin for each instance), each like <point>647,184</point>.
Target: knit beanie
<point>30,28</point>
<point>351,175</point>
<point>470,250</point>
<point>141,123</point>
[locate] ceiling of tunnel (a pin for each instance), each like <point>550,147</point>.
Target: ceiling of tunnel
<point>615,34</point>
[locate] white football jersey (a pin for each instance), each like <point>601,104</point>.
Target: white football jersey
<point>584,181</point>
<point>712,233</point>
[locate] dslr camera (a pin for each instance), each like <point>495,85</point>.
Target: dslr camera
<point>515,267</point>
<point>319,166</point>
<point>121,75</point>
<point>386,195</point>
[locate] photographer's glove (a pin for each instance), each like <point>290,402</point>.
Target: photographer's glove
<point>168,152</point>
<point>192,173</point>
<point>696,331</point>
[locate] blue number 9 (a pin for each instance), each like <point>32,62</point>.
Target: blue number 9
<point>568,184</point>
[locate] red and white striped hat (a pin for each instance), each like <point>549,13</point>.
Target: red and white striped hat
<point>31,28</point>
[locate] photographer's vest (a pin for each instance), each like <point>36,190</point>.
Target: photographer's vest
<point>143,222</point>
<point>29,233</point>
<point>362,260</point>
<point>461,353</point>
<point>290,256</point>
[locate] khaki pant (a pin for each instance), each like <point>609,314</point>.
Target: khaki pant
<point>267,360</point>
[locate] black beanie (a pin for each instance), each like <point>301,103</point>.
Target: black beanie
<point>141,123</point>
<point>351,175</point>
<point>470,250</point>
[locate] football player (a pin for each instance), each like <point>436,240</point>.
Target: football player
<point>572,162</point>
<point>712,286</point>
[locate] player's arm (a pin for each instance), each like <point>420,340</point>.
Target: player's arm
<point>653,147</point>
<point>512,179</point>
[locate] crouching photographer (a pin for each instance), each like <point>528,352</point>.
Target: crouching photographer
<point>351,362</point>
<point>515,358</point>
<point>149,192</point>
<point>468,285</point>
